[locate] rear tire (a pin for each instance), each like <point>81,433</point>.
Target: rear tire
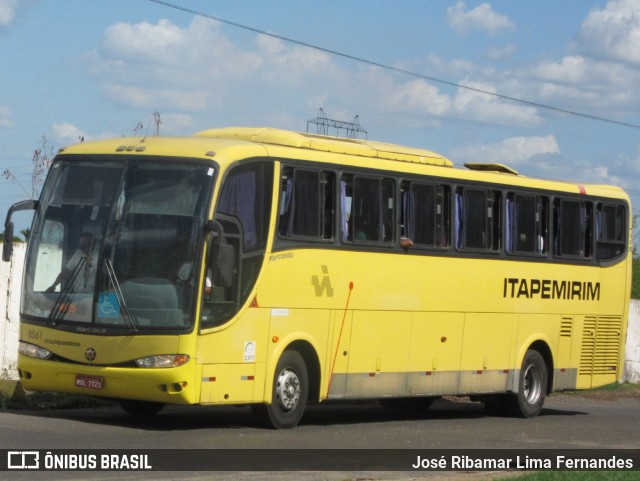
<point>289,393</point>
<point>532,387</point>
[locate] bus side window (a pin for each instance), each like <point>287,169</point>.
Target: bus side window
<point>443,215</point>
<point>242,215</point>
<point>367,209</point>
<point>388,210</point>
<point>306,208</point>
<point>328,181</point>
<point>425,214</point>
<point>543,223</point>
<point>610,230</point>
<point>346,201</point>
<point>286,198</point>
<point>526,227</point>
<point>306,204</point>
<point>572,228</point>
<point>472,218</point>
<point>478,219</point>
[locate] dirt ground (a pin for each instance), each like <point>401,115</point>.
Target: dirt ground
<point>609,393</point>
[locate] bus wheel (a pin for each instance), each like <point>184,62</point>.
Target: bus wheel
<point>289,393</point>
<point>532,387</point>
<point>141,408</point>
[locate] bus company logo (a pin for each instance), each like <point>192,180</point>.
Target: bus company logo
<point>23,460</point>
<point>90,354</point>
<point>324,286</point>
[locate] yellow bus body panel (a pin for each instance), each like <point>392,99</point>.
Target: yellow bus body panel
<point>112,356</point>
<point>378,323</point>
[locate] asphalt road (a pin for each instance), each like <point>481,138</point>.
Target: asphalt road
<point>567,422</point>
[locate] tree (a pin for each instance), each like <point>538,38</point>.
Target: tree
<point>15,239</point>
<point>635,266</point>
<point>635,279</point>
<point>42,158</point>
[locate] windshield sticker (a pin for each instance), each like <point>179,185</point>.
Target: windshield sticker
<point>108,305</point>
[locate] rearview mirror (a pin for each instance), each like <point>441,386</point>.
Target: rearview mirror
<point>7,245</point>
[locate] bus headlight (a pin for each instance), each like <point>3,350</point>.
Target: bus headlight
<point>165,360</point>
<point>33,351</point>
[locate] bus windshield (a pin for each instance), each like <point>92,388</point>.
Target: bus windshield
<point>114,243</point>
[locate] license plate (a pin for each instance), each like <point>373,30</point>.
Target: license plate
<point>90,382</point>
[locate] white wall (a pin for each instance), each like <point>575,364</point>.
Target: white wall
<point>11,279</point>
<point>632,354</point>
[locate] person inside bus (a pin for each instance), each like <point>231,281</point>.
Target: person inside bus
<point>81,261</point>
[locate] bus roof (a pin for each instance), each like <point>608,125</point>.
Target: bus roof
<point>243,142</point>
<point>337,145</point>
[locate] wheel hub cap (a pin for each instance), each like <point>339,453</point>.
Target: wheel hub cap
<point>288,390</point>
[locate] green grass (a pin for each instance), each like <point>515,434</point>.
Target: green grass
<point>620,387</point>
<point>611,391</point>
<point>577,476</point>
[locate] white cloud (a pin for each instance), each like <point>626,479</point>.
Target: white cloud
<point>589,85</point>
<point>186,70</point>
<point>8,11</point>
<point>601,73</point>
<point>150,97</point>
<point>197,68</point>
<point>612,33</point>
<point>620,169</point>
<point>511,151</point>
<point>447,67</point>
<point>570,69</point>
<point>5,116</point>
<point>484,107</point>
<point>420,95</point>
<point>598,75</point>
<point>176,122</point>
<point>161,43</point>
<point>67,134</point>
<point>498,53</point>
<point>277,49</point>
<point>482,17</point>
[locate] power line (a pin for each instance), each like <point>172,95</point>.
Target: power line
<point>395,69</point>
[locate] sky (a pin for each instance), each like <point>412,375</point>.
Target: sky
<point>418,73</point>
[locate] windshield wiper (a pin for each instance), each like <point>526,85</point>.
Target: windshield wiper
<point>129,320</point>
<point>57,311</point>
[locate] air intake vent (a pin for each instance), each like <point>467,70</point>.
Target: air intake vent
<point>566,327</point>
<point>601,344</point>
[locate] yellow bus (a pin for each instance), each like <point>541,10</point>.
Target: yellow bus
<point>272,268</point>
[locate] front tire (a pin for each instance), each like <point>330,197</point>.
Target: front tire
<point>532,387</point>
<point>289,393</point>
